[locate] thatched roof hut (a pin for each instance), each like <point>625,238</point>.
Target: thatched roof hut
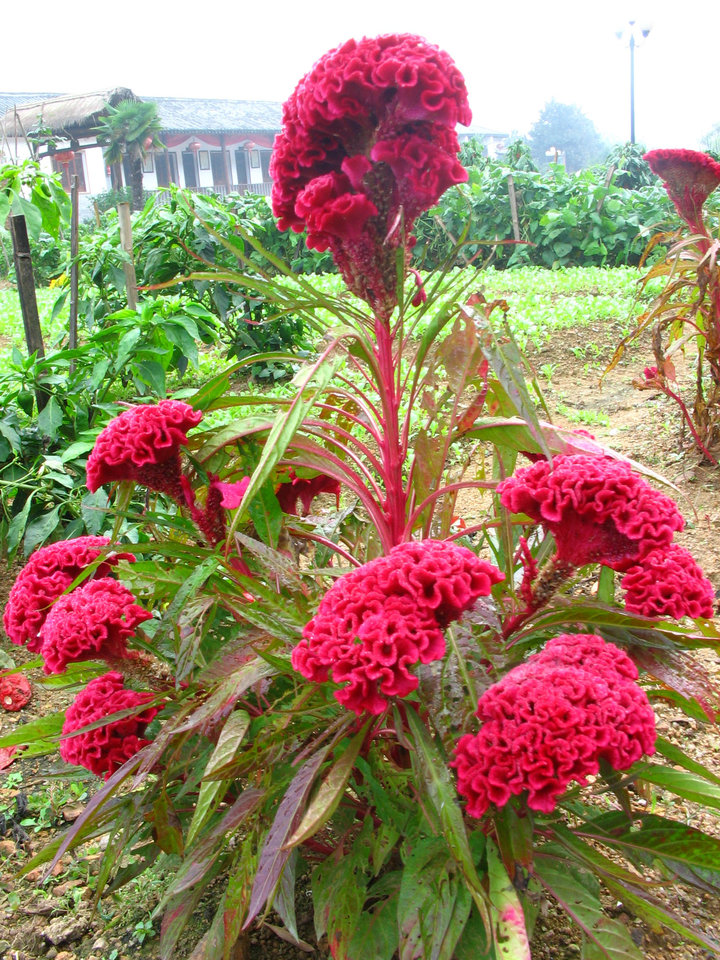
<point>68,117</point>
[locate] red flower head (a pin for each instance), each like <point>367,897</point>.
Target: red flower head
<point>143,444</point>
<point>377,621</point>
<point>597,508</point>
<point>668,583</point>
<point>93,622</point>
<point>47,574</point>
<point>550,721</point>
<point>368,143</point>
<point>105,749</point>
<point>690,177</point>
<point>15,691</point>
<point>305,491</point>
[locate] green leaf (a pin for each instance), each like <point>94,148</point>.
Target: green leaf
<point>376,934</point>
<point>331,790</point>
<point>266,515</point>
<point>39,529</point>
<point>511,938</point>
<point>434,780</point>
<point>659,837</point>
<point>682,783</point>
<point>16,527</point>
<point>50,418</point>
<point>211,792</point>
<point>168,831</point>
<point>679,758</point>
<point>287,422</point>
<point>44,728</point>
<point>434,902</point>
<point>566,884</point>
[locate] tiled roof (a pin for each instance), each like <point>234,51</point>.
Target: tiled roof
<point>10,100</point>
<point>180,115</point>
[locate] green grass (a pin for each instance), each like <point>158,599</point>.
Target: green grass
<point>12,332</point>
<point>541,302</point>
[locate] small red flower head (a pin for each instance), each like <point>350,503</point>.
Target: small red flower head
<point>690,177</point>
<point>47,574</point>
<point>91,623</point>
<point>105,749</point>
<point>383,618</point>
<point>15,691</point>
<point>550,721</point>
<point>143,444</point>
<point>368,143</point>
<point>305,491</point>
<point>668,583</point>
<point>598,509</point>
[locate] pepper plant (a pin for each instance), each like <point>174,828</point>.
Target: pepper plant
<point>434,724</point>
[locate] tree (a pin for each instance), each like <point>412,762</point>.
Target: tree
<point>565,129</point>
<point>129,130</point>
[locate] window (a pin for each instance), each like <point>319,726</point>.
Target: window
<point>148,163</point>
<point>255,159</point>
<point>204,159</point>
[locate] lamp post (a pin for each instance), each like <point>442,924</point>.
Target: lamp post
<point>634,35</point>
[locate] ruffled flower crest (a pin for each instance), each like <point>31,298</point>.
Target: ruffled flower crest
<point>368,143</point>
<point>689,178</point>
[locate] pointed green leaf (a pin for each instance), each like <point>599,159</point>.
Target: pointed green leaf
<point>611,938</point>
<point>331,790</point>
<point>511,938</point>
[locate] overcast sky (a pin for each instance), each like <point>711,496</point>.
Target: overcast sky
<point>515,54</point>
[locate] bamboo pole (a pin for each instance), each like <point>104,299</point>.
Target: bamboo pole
<point>127,245</point>
<point>74,231</point>
<point>513,207</point>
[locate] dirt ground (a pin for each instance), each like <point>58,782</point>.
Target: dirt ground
<point>58,923</point>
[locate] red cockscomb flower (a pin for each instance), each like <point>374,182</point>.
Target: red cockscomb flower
<point>383,618</point>
<point>47,574</point>
<point>93,622</point>
<point>15,691</point>
<point>105,749</point>
<point>668,583</point>
<point>143,444</point>
<point>305,490</point>
<point>368,143</point>
<point>598,509</point>
<point>550,721</point>
<point>689,178</point>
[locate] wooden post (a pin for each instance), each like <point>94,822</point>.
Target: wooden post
<point>96,208</point>
<point>513,207</point>
<point>26,292</point>
<point>127,245</point>
<point>74,230</point>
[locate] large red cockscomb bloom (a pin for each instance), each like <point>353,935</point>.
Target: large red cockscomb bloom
<point>105,749</point>
<point>143,444</point>
<point>550,721</point>
<point>47,574</point>
<point>668,583</point>
<point>93,622</point>
<point>689,178</point>
<point>598,509</point>
<point>368,143</point>
<point>381,619</point>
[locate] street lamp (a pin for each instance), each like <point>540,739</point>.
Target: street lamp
<point>633,35</point>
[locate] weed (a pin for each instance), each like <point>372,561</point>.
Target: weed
<point>588,418</point>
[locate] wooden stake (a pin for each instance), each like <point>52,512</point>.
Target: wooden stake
<point>127,245</point>
<point>26,292</point>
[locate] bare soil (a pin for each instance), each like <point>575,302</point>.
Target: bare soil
<point>56,921</point>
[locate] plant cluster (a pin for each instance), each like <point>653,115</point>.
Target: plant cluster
<point>687,310</point>
<point>436,725</point>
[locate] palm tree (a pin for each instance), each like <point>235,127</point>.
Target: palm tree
<point>129,130</point>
